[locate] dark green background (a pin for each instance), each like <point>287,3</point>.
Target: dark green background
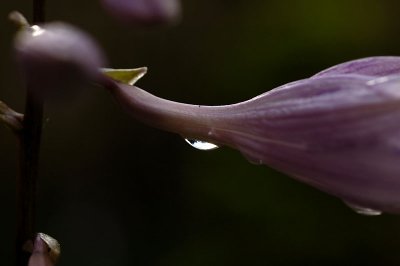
<point>115,192</point>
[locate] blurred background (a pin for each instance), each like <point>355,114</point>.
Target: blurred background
<point>115,192</point>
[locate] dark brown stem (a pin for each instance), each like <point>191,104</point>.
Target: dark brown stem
<point>38,11</point>
<point>29,137</point>
<point>27,179</point>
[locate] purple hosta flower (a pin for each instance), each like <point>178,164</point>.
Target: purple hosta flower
<point>40,256</point>
<point>148,12</point>
<point>57,58</point>
<point>338,131</point>
<point>45,250</point>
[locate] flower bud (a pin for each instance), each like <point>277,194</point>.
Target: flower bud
<point>147,12</point>
<point>11,118</point>
<point>40,255</point>
<point>57,59</point>
<point>338,131</point>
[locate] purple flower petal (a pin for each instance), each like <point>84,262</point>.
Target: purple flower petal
<point>344,140</point>
<point>372,66</point>
<point>40,255</point>
<point>338,131</point>
<point>148,12</point>
<point>56,58</point>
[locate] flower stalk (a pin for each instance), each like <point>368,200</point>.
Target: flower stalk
<point>29,139</point>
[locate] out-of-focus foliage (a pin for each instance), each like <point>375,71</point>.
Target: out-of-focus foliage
<point>115,192</point>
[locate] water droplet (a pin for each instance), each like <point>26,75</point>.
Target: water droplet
<point>363,210</point>
<point>37,31</point>
<point>201,145</point>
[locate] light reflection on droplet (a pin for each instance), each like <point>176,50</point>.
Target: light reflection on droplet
<point>363,210</point>
<point>36,30</point>
<point>201,145</point>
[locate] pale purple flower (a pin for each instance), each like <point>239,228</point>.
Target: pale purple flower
<point>40,254</point>
<point>338,131</point>
<point>57,58</point>
<point>148,12</point>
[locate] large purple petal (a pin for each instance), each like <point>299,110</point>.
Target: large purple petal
<point>371,66</point>
<point>342,136</point>
<point>338,132</point>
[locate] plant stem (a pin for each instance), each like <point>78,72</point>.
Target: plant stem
<point>26,183</point>
<point>38,11</point>
<point>29,137</point>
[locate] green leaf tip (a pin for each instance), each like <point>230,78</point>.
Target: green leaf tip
<point>18,19</point>
<point>125,76</point>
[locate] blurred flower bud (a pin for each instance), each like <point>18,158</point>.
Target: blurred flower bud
<point>11,118</point>
<point>147,12</point>
<point>338,131</point>
<point>57,59</point>
<point>40,254</point>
